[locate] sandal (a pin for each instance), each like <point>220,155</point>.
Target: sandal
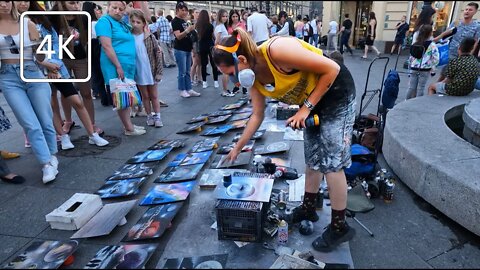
<point>68,126</point>
<point>17,179</point>
<point>9,155</point>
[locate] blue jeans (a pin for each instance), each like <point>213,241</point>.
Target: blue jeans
<point>31,104</point>
<point>184,62</point>
<point>314,40</point>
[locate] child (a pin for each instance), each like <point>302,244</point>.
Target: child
<point>422,64</point>
<point>149,67</point>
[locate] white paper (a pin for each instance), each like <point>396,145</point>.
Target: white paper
<point>241,244</point>
<point>293,135</point>
<point>296,189</point>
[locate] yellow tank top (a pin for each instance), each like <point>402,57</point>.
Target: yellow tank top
<point>289,88</point>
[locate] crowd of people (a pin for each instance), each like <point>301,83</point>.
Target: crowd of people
<point>272,57</point>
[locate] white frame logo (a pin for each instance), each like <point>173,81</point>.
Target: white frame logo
<point>89,51</point>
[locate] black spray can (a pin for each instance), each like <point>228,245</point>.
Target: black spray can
<point>319,204</point>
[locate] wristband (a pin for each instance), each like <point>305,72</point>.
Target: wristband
<point>308,104</point>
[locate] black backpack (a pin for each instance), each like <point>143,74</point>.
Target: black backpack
<point>417,50</point>
<point>310,29</point>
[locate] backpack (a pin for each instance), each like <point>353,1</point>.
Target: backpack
<point>417,51</point>
<point>291,28</point>
<point>390,90</point>
<point>310,30</point>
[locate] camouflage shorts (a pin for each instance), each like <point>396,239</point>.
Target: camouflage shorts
<point>327,146</point>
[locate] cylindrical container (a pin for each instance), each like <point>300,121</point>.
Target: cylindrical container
<point>281,200</point>
<point>227,179</point>
<point>312,121</point>
<point>389,187</point>
<point>319,204</point>
<point>282,233</point>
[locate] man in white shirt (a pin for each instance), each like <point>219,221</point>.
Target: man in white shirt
<point>332,36</point>
<point>258,26</point>
<point>314,38</point>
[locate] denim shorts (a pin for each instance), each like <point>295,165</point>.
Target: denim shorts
<point>327,146</point>
<point>440,88</point>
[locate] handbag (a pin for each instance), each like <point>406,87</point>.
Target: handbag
<point>443,49</point>
<point>125,93</point>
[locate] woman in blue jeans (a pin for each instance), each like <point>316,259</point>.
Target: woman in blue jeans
<point>30,102</point>
<point>183,50</point>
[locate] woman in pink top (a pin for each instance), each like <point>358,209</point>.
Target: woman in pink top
<point>234,21</point>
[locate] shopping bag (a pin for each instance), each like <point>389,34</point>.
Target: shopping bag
<point>125,93</point>
<point>443,51</point>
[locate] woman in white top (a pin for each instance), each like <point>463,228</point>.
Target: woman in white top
<point>30,102</point>
<point>220,33</point>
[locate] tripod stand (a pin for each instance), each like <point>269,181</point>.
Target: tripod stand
<point>357,202</point>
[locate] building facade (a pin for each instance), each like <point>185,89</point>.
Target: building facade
<point>388,14</point>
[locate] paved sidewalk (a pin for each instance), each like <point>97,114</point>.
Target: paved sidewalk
<point>409,233</point>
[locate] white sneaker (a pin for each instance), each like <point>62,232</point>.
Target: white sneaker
<point>132,113</point>
<point>142,113</point>
<point>215,84</point>
<point>150,121</point>
<point>139,127</point>
<point>97,140</point>
<point>158,120</point>
<point>54,162</point>
<point>184,94</point>
<point>204,85</point>
<point>193,93</point>
<point>66,143</point>
<point>49,173</point>
<point>135,132</point>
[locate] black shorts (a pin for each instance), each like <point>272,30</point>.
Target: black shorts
<point>369,41</point>
<point>66,88</point>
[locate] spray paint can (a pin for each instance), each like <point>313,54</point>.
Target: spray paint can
<point>281,200</point>
<point>365,188</point>
<point>282,234</point>
<point>389,187</point>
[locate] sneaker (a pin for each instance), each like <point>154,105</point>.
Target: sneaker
<point>135,132</point>
<point>142,113</point>
<point>204,85</point>
<point>184,94</point>
<point>132,113</point>
<point>244,90</point>
<point>235,90</point>
<point>66,143</point>
<point>139,127</point>
<point>54,162</point>
<point>300,213</point>
<point>330,239</point>
<point>49,173</point>
<point>97,140</point>
<point>227,94</point>
<point>98,130</point>
<point>193,93</point>
<point>215,84</point>
<point>162,103</point>
<point>150,121</point>
<point>194,83</point>
<point>158,120</point>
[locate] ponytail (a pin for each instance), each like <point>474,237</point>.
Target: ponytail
<point>247,48</point>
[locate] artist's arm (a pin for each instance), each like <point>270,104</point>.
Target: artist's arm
<point>291,55</point>
<point>258,103</point>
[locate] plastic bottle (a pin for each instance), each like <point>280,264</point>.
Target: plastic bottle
<point>282,234</point>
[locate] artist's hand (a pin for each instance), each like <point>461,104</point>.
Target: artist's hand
<point>232,156</point>
<point>298,120</point>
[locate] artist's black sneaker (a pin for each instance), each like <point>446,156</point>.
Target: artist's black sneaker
<point>299,213</point>
<point>330,239</point>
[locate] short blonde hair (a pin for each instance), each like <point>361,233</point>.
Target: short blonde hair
<point>139,14</point>
<point>14,12</point>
